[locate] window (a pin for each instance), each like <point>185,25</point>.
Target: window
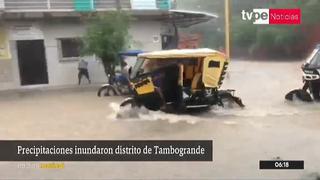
<point>69,48</point>
<point>316,60</point>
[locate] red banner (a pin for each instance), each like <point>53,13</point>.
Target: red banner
<point>285,16</point>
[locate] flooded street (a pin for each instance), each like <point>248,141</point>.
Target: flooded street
<point>269,127</point>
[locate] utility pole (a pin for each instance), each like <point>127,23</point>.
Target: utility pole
<point>227,27</point>
<point>118,4</point>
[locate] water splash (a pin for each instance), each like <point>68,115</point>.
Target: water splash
<point>219,114</point>
<point>142,114</point>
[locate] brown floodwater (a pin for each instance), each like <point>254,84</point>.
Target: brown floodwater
<point>267,128</point>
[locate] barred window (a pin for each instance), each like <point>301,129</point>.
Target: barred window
<point>69,48</point>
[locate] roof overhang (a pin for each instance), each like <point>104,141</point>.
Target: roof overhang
<point>183,18</point>
<point>180,53</point>
<point>180,18</point>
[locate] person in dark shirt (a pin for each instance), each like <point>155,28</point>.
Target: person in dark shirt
<point>83,71</point>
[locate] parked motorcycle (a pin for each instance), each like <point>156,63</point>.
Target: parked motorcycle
<point>119,85</point>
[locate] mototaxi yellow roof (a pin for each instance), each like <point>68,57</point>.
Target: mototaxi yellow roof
<point>180,53</point>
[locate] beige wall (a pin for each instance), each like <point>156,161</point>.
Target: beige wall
<point>1,4</point>
<point>5,71</point>
<point>144,34</point>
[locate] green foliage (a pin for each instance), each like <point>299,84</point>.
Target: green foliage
<point>281,40</point>
<point>256,38</point>
<point>243,34</point>
<point>310,12</point>
<point>106,36</point>
<point>266,37</point>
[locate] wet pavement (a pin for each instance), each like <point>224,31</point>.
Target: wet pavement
<point>267,128</point>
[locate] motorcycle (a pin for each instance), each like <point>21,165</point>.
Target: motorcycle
<point>118,85</point>
<point>311,78</point>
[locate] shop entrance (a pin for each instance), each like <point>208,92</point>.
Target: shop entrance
<point>32,62</point>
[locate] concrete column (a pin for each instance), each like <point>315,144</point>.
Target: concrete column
<point>118,5</point>
<point>2,4</point>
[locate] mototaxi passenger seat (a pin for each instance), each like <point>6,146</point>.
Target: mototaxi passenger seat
<point>197,84</point>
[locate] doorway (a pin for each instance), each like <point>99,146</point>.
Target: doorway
<point>32,62</point>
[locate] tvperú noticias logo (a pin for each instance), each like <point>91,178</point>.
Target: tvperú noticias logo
<point>273,16</point>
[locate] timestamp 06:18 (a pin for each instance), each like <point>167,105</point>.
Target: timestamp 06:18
<point>281,164</point>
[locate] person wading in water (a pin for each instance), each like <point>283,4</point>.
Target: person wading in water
<point>83,70</point>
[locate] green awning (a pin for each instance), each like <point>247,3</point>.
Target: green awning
<point>84,5</point>
<point>164,4</point>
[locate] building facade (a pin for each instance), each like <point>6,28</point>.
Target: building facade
<point>39,39</point>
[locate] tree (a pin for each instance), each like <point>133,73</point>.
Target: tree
<point>248,39</point>
<point>106,36</point>
<point>275,41</point>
